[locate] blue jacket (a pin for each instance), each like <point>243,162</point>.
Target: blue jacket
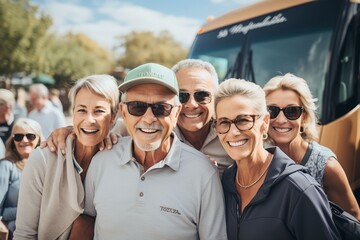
<point>289,205</point>
<point>9,192</point>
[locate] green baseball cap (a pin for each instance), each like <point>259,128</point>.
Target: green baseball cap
<point>150,73</point>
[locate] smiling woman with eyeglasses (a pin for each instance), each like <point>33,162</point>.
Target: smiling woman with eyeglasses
<point>293,128</point>
<point>25,136</point>
<point>264,189</point>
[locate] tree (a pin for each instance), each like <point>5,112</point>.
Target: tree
<point>22,36</point>
<point>74,56</point>
<point>143,47</point>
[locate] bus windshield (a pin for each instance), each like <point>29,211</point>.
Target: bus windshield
<point>297,45</point>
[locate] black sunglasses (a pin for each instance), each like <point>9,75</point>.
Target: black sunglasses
<point>137,108</point>
<point>19,136</point>
<point>202,97</point>
<point>291,113</point>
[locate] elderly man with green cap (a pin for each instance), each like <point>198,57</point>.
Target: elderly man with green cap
<point>150,185</point>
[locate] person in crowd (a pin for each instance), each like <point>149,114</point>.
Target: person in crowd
<point>51,193</point>
<point>267,195</point>
<point>170,190</point>
<point>20,110</point>
<point>54,95</point>
<point>197,82</point>
<point>49,117</point>
<point>293,128</point>
<point>7,102</point>
<point>25,136</point>
<point>2,149</point>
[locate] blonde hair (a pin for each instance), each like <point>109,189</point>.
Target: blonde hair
<point>29,125</point>
<point>101,84</point>
<point>299,86</point>
<point>232,87</point>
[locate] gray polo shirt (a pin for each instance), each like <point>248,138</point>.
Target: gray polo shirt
<point>212,148</point>
<point>178,198</point>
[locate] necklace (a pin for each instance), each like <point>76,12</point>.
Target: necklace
<point>257,180</point>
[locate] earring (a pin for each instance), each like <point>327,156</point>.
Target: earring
<point>265,136</point>
<point>301,129</point>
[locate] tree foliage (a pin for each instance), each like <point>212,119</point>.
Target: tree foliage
<point>22,33</point>
<point>143,47</point>
<point>26,45</point>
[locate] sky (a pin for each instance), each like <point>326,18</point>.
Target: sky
<point>105,21</point>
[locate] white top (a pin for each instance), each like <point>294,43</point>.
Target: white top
<point>179,198</point>
<point>49,117</point>
<point>2,149</point>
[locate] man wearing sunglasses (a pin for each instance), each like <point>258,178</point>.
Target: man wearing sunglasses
<point>151,185</point>
<point>198,81</point>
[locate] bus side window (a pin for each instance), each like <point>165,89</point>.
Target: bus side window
<point>346,90</point>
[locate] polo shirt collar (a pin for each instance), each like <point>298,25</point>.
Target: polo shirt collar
<point>172,159</point>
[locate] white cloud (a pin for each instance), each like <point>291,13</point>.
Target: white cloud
<point>117,19</point>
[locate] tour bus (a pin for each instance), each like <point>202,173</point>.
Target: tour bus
<point>316,40</point>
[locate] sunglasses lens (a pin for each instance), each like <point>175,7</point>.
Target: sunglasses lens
<point>30,136</point>
<point>184,97</point>
<point>202,97</point>
<point>161,109</point>
<point>293,113</point>
<point>19,137</point>
<point>137,108</point>
<point>274,111</point>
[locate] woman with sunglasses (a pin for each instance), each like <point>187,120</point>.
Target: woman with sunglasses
<point>293,128</point>
<point>52,193</point>
<point>25,136</point>
<point>267,195</point>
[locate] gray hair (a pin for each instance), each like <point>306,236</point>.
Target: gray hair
<point>197,63</point>
<point>101,84</point>
<point>299,86</point>
<point>7,96</point>
<point>40,89</point>
<point>232,87</point>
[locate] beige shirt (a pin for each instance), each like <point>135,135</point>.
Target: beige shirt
<point>51,195</point>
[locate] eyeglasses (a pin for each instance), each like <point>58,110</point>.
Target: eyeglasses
<point>241,122</point>
<point>291,113</point>
<point>137,108</point>
<point>19,136</point>
<point>202,97</point>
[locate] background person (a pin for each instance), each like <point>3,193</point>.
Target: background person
<point>7,118</point>
<point>164,188</point>
<point>267,196</point>
<point>49,117</point>
<point>51,193</point>
<point>293,128</point>
<point>54,95</point>
<point>25,136</point>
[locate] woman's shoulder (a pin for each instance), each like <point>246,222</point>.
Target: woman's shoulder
<point>322,151</point>
<point>6,164</point>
